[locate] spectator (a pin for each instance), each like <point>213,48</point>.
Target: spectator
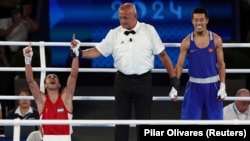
<point>20,25</point>
<point>24,111</point>
<point>238,109</point>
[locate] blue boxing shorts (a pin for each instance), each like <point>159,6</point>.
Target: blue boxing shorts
<point>201,99</point>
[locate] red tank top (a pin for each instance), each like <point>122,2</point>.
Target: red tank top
<point>55,111</point>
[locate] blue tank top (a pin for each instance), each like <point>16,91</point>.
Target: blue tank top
<point>202,61</point>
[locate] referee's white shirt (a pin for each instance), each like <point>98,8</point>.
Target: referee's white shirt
<point>132,54</point>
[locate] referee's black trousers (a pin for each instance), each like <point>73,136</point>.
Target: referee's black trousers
<point>132,90</point>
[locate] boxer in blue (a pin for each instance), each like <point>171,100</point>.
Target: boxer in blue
<point>205,89</point>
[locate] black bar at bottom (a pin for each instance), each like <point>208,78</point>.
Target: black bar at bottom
<point>194,132</point>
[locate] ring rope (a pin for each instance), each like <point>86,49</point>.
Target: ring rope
<point>105,70</point>
<point>113,122</point>
<point>112,98</point>
<point>91,44</point>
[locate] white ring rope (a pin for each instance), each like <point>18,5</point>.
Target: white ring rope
<point>111,98</point>
<point>112,122</point>
<point>90,44</point>
<point>104,70</point>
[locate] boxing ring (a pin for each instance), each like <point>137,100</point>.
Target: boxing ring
<point>105,123</point>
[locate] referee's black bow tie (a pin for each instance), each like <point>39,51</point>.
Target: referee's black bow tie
<point>129,31</point>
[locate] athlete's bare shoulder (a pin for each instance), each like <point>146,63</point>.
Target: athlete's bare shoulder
<point>217,40</point>
<point>217,37</point>
<point>186,42</point>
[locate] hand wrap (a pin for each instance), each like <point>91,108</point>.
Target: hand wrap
<point>222,94</point>
<point>173,93</point>
<point>27,53</point>
<point>75,51</point>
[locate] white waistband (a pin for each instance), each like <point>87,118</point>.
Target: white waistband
<point>211,79</point>
<point>56,138</point>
